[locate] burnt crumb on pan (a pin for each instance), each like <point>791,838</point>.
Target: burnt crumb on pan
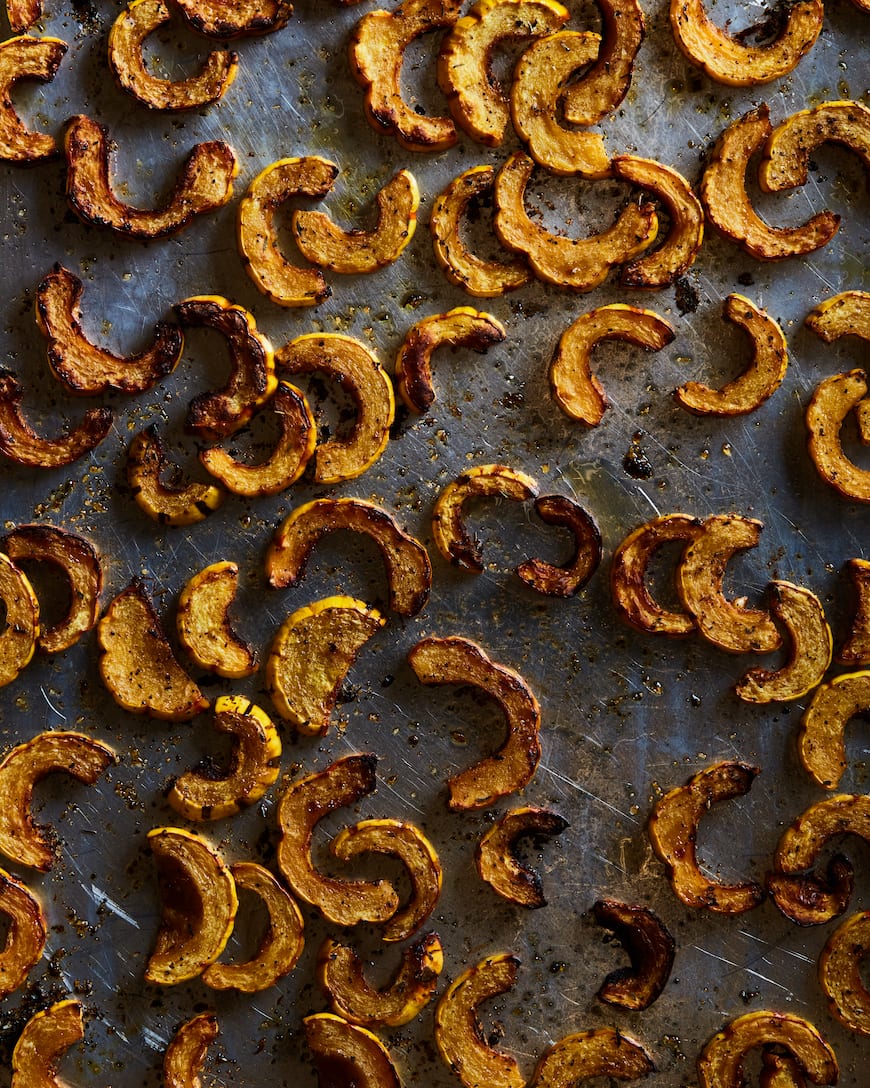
<point>87,14</point>
<point>687,297</point>
<point>636,463</point>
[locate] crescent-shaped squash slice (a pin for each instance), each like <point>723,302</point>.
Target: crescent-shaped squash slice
<point>172,502</point>
<point>855,648</point>
<point>20,631</point>
<point>821,742</point>
<point>603,86</point>
<point>234,18</point>
<point>845,314</point>
<point>25,936</point>
<point>650,947</point>
<point>346,1054</point>
<point>602,1052</point>
<point>203,624</point>
<point>566,580</point>
<point>27,763</point>
<point>790,146</point>
<point>26,58</point>
<point>498,864</point>
<point>840,977</point>
<point>720,1064</point>
<point>830,404</point>
<point>46,1037</point>
<point>199,906</point>
<point>187,1050</point>
<point>22,14</point>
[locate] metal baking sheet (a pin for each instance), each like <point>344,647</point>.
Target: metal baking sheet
<point>625,716</point>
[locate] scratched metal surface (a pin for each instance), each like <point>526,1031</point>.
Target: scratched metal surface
<point>625,716</point>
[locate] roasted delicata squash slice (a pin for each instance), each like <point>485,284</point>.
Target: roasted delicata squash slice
<point>25,936</point>
<point>801,612</point>
<point>855,648</point>
<point>75,754</point>
<point>409,991</point>
<point>727,203</point>
<point>628,575</point>
<point>579,264</point>
<point>82,366</point>
<point>830,404</point>
<point>601,1052</point>
<point>234,18</point>
<point>359,373</point>
<point>203,623</point>
<point>253,765</point>
<point>720,1064</point>
<point>460,661</point>
<point>802,895</point>
<point>204,184</point>
<point>566,580</point>
<point>187,1050</point>
<point>21,443</point>
<point>478,276</point>
<point>459,1034</point>
<point>840,977</point>
<point>821,742</point>
<point>673,832</point>
<point>650,947</point>
<point>137,663</point>
<point>347,1053</point>
<point>575,388</point>
<point>498,863</point>
<point>281,945</point>
<point>127,63</point>
<point>728,60</point>
<point>167,501</point>
<point>477,100</point>
<point>846,314</point>
<point>540,80</point>
<point>730,625</point>
<point>312,654</point>
<point>357,252</point>
<point>26,58</point>
<point>761,378</point>
<point>20,631</point>
<point>199,905</point>
<point>405,841</point>
<point>77,560</point>
<point>303,804</point>
<point>42,1044</point>
<point>377,51</point>
<point>22,14</point>
<point>293,449</point>
<point>409,572</point>
<point>462,327</point>
<point>602,87</point>
<point>452,538</point>
<point>790,146</point>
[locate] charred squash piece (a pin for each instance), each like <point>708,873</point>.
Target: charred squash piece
<point>22,14</point>
<point>720,1064</point>
<point>46,1038</point>
<point>172,502</point>
<point>346,1054</point>
<point>498,864</point>
<point>566,580</point>
<point>187,1050</point>
<point>26,58</point>
<point>855,649</point>
<point>203,624</point>
<point>650,947</point>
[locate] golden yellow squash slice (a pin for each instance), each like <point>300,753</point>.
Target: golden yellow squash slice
<point>22,14</point>
<point>187,1050</point>
<point>234,18</point>
<point>821,741</point>
<point>45,1039</point>
<point>603,86</point>
<point>721,1062</point>
<point>25,935</point>
<point>204,627</point>
<point>601,1052</point>
<point>840,967</point>
<point>790,146</point>
<point>26,58</point>
<point>830,404</point>
<point>498,864</point>
<point>157,489</point>
<point>346,1053</point>
<point>845,314</point>
<point>20,631</point>
<point>855,648</point>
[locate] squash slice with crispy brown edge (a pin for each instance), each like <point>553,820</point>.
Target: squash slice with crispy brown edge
<point>312,654</point>
<point>377,50</point>
<point>409,572</point>
<point>650,948</point>
<point>83,367</point>
<point>346,1054</point>
<point>127,63</point>
<point>171,503</point>
<point>479,277</point>
<point>460,661</point>
<point>461,327</point>
<point>252,379</point>
<point>137,664</point>
<point>207,794</point>
<point>203,624</point>
<point>452,537</point>
<point>566,580</point>
<point>76,559</point>
<point>830,404</point>
<point>412,987</point>
<point>27,763</point>
<point>579,264</point>
<point>601,89</point>
<point>21,444</point>
<point>22,14</point>
<point>284,283</point>
<point>357,252</point>
<point>673,833</point>
<point>628,585</point>
<point>475,95</point>
<point>801,894</point>
<point>46,1037</point>
<point>358,372</point>
<point>199,900</point>
<point>498,864</point>
<point>539,83</point>
<point>855,648</point>
<point>293,449</point>
<point>282,943</point>
<point>729,209</point>
<point>405,841</point>
<point>20,620</point>
<point>204,184</point>
<point>790,146</point>
<point>846,314</point>
<point>234,18</point>
<point>730,625</point>
<point>186,1053</point>
<point>761,378</point>
<point>459,1034</point>
<point>26,932</point>
<point>728,60</point>
<point>303,804</point>
<point>840,975</point>
<point>601,1052</point>
<point>575,388</point>
<point>720,1063</point>
<point>811,648</point>
<point>26,58</point>
<point>821,741</point>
